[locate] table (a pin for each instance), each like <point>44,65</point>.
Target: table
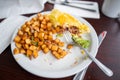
<point>108,54</point>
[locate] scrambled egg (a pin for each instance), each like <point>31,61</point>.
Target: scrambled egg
<point>61,18</point>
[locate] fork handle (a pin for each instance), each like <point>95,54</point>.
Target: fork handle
<point>81,2</point>
<point>105,69</point>
<point>91,10</point>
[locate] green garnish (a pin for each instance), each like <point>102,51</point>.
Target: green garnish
<point>35,43</point>
<point>32,38</point>
<point>80,41</point>
<point>59,35</point>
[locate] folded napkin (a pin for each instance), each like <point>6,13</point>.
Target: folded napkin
<point>7,28</point>
<point>80,12</point>
<point>15,7</point>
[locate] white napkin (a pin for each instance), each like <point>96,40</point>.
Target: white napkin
<point>15,7</point>
<point>80,12</point>
<point>7,28</point>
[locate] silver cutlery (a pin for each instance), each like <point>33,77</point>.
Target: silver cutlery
<point>80,2</point>
<point>80,75</point>
<point>70,5</point>
<point>106,70</point>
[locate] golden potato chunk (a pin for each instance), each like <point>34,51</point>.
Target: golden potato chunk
<point>50,37</point>
<point>20,32</point>
<point>22,41</point>
<point>27,29</point>
<point>35,53</point>
<point>57,40</point>
<point>47,18</point>
<point>49,46</point>
<point>63,53</point>
<point>41,18</point>
<point>54,47</point>
<point>60,55</point>
<point>28,23</point>
<point>50,33</point>
<point>16,51</point>
<point>29,52</point>
<point>33,48</point>
<point>39,14</point>
<point>69,46</point>
<point>41,35</point>
<point>49,26</point>
<point>45,36</point>
<point>59,50</point>
<point>17,39</point>
<point>24,36</point>
<point>36,28</point>
<point>61,44</point>
<point>28,41</point>
<point>45,50</point>
<point>22,50</point>
<point>56,54</point>
<point>26,46</point>
<point>18,45</point>
<point>35,34</point>
<point>40,43</point>
<point>43,46</point>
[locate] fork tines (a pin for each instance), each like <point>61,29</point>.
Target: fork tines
<point>68,37</point>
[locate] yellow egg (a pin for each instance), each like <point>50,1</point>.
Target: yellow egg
<point>60,18</point>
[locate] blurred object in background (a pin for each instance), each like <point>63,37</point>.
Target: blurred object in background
<point>111,8</point>
<point>16,7</point>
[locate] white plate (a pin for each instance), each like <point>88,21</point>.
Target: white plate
<point>46,65</point>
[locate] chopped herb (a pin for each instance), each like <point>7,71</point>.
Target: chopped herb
<point>35,43</point>
<point>32,38</point>
<point>82,51</point>
<point>59,35</point>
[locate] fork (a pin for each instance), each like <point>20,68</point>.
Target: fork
<point>106,70</point>
<point>74,6</point>
<point>79,2</point>
<point>80,75</point>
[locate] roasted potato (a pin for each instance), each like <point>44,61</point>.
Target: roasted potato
<point>17,38</point>
<point>38,34</point>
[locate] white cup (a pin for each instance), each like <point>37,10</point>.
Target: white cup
<point>111,8</point>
